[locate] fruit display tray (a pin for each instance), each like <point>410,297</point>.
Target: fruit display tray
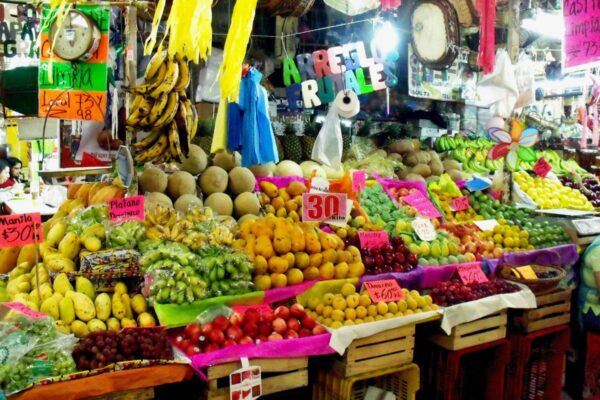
<point>278,375</point>
<point>553,309</point>
<point>383,350</point>
<point>480,331</point>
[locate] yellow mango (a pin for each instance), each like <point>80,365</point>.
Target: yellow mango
<point>103,306</point>
<point>278,265</point>
<point>269,188</point>
<point>8,258</point>
<point>264,247</point>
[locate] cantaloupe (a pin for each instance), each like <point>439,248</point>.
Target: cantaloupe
<point>288,168</point>
<point>187,202</point>
<point>246,203</point>
<point>153,179</point>
<point>226,160</point>
<point>156,197</point>
<point>180,183</point>
<point>220,203</point>
<point>196,160</point>
<point>241,180</point>
<point>214,180</point>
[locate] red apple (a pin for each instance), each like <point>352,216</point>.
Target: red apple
<point>212,347</point>
<point>317,330</point>
<point>265,328</point>
<point>206,328</point>
<point>297,311</point>
<point>216,337</point>
<point>279,325</point>
<point>252,314</point>
<point>308,322</point>
<point>229,343</point>
<point>179,339</point>
<point>250,328</point>
<point>221,323</point>
<point>291,334</point>
<point>267,316</point>
<point>236,319</point>
<point>293,324</point>
<point>193,331</point>
<point>304,332</point>
<point>234,333</point>
<point>246,340</point>
<point>261,339</point>
<point>282,312</point>
<point>192,349</point>
<point>184,344</point>
<point>274,337</point>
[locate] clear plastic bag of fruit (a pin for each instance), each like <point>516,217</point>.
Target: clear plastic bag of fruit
<point>211,313</point>
<point>97,213</point>
<point>126,235</point>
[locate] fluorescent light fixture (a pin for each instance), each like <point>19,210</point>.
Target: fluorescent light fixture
<point>386,38</point>
<point>545,24</point>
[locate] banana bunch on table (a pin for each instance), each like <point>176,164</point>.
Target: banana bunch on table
<point>162,108</point>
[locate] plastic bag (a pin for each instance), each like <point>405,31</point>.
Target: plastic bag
<point>499,90</point>
<point>208,79</point>
<point>328,146</point>
<point>211,313</point>
<point>54,195</point>
<point>525,76</point>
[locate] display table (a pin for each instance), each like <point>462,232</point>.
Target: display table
<point>27,205</point>
<point>111,382</point>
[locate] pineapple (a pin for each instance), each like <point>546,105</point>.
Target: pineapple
<point>291,144</point>
<point>308,140</point>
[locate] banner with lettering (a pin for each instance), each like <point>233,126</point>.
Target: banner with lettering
<point>19,28</point>
<point>581,44</point>
<point>74,90</point>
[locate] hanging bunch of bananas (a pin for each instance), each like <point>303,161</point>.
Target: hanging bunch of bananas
<point>161,107</point>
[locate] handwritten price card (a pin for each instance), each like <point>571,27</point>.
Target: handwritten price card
<point>359,180</point>
<point>486,224</point>
<point>460,203</point>
<point>581,42</point>
<point>126,209</point>
<point>21,229</point>
<point>324,207</point>
<point>424,229</point>
<point>542,168</point>
<point>374,239</point>
<point>318,184</point>
<point>525,272</point>
<point>471,272</point>
<point>423,205</point>
<point>25,310</point>
<point>385,290</point>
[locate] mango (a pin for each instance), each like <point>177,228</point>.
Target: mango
<point>62,284</point>
<point>146,320</point>
<point>139,304</point>
<point>128,323</point>
<point>28,254</point>
<point>118,308</point>
<point>113,324</point>
<point>96,325</point>
<point>103,306</point>
<point>56,234</point>
<point>8,259</point>
<point>84,286</point>
<point>92,243</point>
<point>127,304</point>
<point>269,188</point>
<point>59,263</point>
<point>79,329</point>
<point>120,288</point>
<point>66,310</point>
<point>50,307</point>
<point>63,328</point>
<point>70,245</point>
<point>84,307</point>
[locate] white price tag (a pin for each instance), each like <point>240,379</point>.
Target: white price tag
<point>486,224</point>
<point>424,229</point>
<point>319,185</point>
<point>246,382</point>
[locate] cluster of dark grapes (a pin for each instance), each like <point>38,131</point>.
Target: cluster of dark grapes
<point>452,292</point>
<point>102,348</point>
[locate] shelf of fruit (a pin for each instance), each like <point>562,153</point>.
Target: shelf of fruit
<point>549,193</point>
<point>589,186</point>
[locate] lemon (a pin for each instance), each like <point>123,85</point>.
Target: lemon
<point>337,315</point>
<point>382,308</point>
<point>348,289</point>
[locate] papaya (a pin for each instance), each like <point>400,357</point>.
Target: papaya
<point>106,194</point>
<point>8,258</point>
<point>72,190</point>
<point>27,255</point>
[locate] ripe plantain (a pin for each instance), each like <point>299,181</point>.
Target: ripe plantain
<point>146,88</point>
<point>184,76</point>
<point>153,66</point>
<point>169,111</point>
<point>168,82</point>
<point>151,153</point>
<point>157,109</point>
<point>148,140</point>
<point>174,145</point>
<point>182,128</point>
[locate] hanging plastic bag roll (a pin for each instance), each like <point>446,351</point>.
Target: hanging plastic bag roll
<point>347,104</point>
<point>328,146</point>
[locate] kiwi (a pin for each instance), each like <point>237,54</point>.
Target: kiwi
<point>450,165</point>
<point>410,160</point>
<point>414,177</point>
<point>455,174</point>
<point>403,146</point>
<point>436,166</point>
<point>421,169</point>
<point>423,157</point>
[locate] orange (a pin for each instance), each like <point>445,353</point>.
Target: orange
<point>278,280</point>
<point>262,282</point>
<point>311,273</point>
<point>295,276</point>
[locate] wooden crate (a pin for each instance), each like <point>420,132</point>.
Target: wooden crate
<point>278,375</point>
<point>390,348</point>
<point>553,309</point>
<point>483,330</point>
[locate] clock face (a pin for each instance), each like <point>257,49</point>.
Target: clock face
<point>74,38</point>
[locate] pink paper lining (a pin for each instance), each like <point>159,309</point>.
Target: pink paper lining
<point>303,347</point>
<point>279,181</point>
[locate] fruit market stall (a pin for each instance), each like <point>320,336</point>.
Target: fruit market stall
<point>257,213</point>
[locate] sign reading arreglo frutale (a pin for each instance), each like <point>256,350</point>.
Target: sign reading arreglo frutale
<point>315,78</point>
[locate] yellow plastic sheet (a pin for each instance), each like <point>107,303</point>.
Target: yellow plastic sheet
<point>219,141</point>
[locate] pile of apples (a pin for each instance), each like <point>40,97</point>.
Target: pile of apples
<point>251,327</point>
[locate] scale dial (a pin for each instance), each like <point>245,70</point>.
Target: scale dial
<point>77,38</point>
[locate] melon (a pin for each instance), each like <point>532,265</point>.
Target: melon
<point>196,160</point>
<point>157,197</point>
<point>214,180</point>
<point>241,180</point>
<point>246,203</point>
<point>288,168</point>
<point>309,166</point>
<point>220,203</point>
<point>186,202</point>
<point>153,179</point>
<point>180,183</point>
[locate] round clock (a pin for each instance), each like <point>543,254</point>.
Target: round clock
<point>77,38</point>
<point>435,33</point>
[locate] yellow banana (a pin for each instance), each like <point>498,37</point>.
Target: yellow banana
<point>148,140</point>
<point>157,109</point>
<point>156,61</point>
<point>193,125</point>
<point>184,76</point>
<point>169,111</point>
<point>168,82</point>
<point>148,87</point>
<point>174,145</point>
<point>151,153</point>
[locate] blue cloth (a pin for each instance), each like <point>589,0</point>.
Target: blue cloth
<point>249,128</point>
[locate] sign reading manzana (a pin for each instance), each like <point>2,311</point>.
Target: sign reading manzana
<point>315,78</point>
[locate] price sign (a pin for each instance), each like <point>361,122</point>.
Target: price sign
<point>471,272</point>
<point>424,229</point>
<point>246,382</point>
<point>126,209</point>
<point>476,184</point>
<point>324,207</point>
<point>371,240</point>
<point>21,229</point>
<point>20,307</point>
<point>423,205</point>
<point>542,168</point>
<point>461,203</point>
<point>384,290</point>
<point>525,272</point>
<point>318,184</point>
<point>359,180</point>
<point>486,224</point>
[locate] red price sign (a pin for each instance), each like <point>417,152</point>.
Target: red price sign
<point>359,180</point>
<point>423,205</point>
<point>373,239</point>
<point>542,168</point>
<point>126,209</point>
<point>25,310</point>
<point>321,207</point>
<point>21,229</point>
<point>460,203</point>
<point>471,272</point>
<point>384,290</point>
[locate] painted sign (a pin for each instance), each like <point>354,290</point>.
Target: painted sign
<point>21,229</point>
<point>315,78</point>
<point>384,290</point>
<point>19,29</point>
<point>581,42</point>
<point>74,90</point>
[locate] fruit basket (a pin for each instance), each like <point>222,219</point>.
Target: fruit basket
<point>550,277</point>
